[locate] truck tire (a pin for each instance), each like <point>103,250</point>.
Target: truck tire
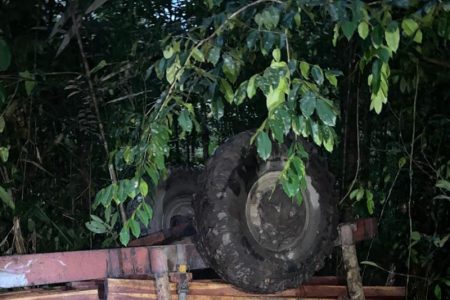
<point>172,202</point>
<point>253,235</point>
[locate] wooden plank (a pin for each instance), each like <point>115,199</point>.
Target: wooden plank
<point>59,267</point>
<point>136,289</point>
<point>203,297</point>
<point>91,294</point>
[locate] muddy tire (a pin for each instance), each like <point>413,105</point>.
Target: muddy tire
<point>172,203</point>
<point>259,245</point>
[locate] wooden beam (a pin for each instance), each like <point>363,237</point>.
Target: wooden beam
<point>138,289</point>
<point>34,294</point>
<point>59,267</point>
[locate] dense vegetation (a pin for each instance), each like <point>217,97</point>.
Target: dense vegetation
<point>99,98</point>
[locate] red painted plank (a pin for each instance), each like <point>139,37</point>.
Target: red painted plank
<point>38,269</point>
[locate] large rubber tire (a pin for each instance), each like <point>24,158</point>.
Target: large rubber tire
<point>223,236</point>
<point>173,198</point>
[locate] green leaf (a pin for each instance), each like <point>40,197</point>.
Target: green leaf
<point>2,95</point>
<point>437,292</point>
<point>128,155</point>
<point>108,213</point>
<point>335,34</point>
<point>276,96</point>
<point>251,87</point>
<point>241,93</point>
<point>251,39</point>
<point>360,194</point>
<point>331,78</point>
<point>226,89</point>
<point>316,133</point>
<point>173,72</point>
<point>148,210</point>
<point>392,36</point>
<point>5,56</point>
<point>263,145</point>
<point>317,74</point>
<point>369,202</point>
<point>276,54</point>
<point>124,235</point>
<point>377,36</point>
<point>443,184</point>
<point>325,112</point>
<point>143,187</point>
<point>131,187</point>
<point>105,195</point>
<point>348,28</point>
<point>353,194</point>
<point>409,26</point>
<point>376,76</point>
<point>2,124</point>
<point>384,53</point>
<point>29,81</point>
<point>135,228</point>
<point>363,30</point>
<point>168,52</point>
<point>96,227</point>
<point>418,37</point>
<point>269,18</point>
<point>121,193</point>
<point>370,263</point>
<point>401,162</point>
<point>96,219</point>
<point>217,108</point>
<point>143,217</point>
<point>214,55</point>
<point>185,121</point>
<point>268,41</point>
<point>98,67</point>
<point>328,138</point>
<point>304,69</point>
<point>298,19</point>
<point>441,242</point>
<point>198,55</point>
<point>4,154</point>
<point>7,198</point>
<point>230,68</point>
<point>293,94</point>
<point>415,236</point>
<point>308,104</point>
<point>152,172</point>
<point>280,123</point>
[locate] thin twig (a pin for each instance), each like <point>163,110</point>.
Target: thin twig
<point>287,46</point>
<point>37,166</point>
<point>411,178</point>
<point>126,97</point>
<point>386,200</point>
<point>397,274</point>
<point>358,150</point>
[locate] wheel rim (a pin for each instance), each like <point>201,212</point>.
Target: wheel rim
<point>274,221</point>
<point>180,206</point>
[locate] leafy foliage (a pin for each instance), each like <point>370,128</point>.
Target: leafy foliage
<point>175,79</point>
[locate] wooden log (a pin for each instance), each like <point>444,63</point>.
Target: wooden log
<point>350,259</point>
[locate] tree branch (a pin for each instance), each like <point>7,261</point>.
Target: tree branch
<point>112,172</point>
<point>411,155</point>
